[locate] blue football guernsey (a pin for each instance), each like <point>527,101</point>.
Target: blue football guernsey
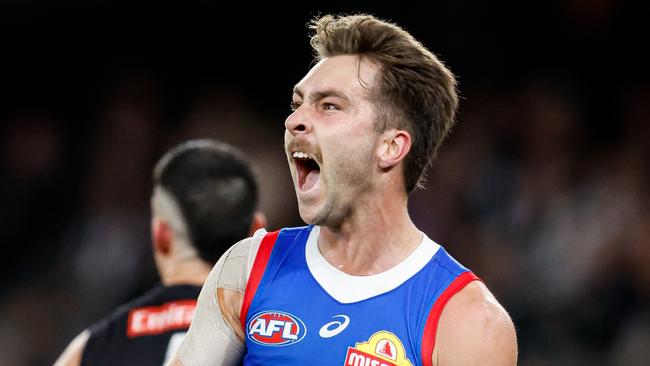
<point>300,310</point>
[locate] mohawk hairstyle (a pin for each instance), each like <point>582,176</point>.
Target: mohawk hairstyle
<point>216,192</point>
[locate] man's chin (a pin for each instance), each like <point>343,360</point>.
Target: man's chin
<point>309,219</point>
<point>310,214</point>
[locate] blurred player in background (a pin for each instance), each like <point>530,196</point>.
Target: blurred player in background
<point>204,198</point>
<point>361,285</point>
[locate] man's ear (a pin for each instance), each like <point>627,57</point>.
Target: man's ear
<point>259,222</point>
<point>394,146</point>
<point>161,236</point>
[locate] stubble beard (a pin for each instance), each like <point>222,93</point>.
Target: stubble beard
<point>338,205</point>
<point>347,185</point>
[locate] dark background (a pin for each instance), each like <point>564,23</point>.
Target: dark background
<point>542,189</point>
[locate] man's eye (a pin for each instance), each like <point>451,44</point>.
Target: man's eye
<point>330,107</point>
<point>294,105</point>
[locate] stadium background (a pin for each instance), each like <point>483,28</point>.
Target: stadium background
<point>543,188</point>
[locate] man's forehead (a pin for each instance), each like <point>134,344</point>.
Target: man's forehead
<point>348,73</point>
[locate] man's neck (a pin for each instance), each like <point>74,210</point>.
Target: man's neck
<point>373,240</point>
<point>191,271</point>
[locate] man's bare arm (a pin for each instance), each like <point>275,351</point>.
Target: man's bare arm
<point>72,354</point>
<point>215,336</point>
<point>475,329</point>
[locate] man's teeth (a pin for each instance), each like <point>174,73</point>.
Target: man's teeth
<point>300,155</point>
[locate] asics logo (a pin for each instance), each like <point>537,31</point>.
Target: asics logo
<point>334,327</point>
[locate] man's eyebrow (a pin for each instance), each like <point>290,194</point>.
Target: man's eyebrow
<point>318,95</point>
<point>321,94</point>
<point>296,90</point>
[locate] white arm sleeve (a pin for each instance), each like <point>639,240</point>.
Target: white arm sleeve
<point>211,341</point>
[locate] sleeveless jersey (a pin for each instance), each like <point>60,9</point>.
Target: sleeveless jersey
<point>291,319</point>
<point>145,331</point>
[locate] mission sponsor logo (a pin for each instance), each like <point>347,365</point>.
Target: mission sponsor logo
<point>382,349</point>
<point>150,320</point>
<point>275,328</point>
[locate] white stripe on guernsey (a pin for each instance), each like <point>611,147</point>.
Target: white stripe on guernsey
<point>347,289</point>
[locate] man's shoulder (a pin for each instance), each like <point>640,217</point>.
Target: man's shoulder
<point>476,302</point>
<point>474,326</point>
<point>234,268</point>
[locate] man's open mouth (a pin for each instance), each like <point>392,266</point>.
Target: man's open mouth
<point>308,170</point>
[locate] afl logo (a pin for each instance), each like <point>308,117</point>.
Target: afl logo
<point>275,328</point>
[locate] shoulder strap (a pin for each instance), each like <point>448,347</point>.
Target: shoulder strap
<point>257,271</point>
<point>431,326</point>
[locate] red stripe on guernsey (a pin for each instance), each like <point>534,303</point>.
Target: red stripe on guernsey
<point>431,326</point>
<point>261,259</point>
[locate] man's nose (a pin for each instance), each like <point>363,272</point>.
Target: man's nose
<point>298,122</point>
